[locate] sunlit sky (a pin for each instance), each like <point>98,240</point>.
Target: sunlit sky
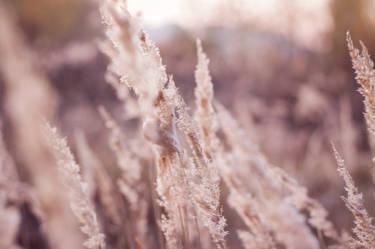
<point>308,17</point>
<point>159,12</point>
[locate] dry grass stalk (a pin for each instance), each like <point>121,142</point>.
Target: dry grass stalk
<point>267,186</point>
<point>300,199</point>
<point>10,185</point>
<point>130,183</point>
<point>114,219</point>
<point>365,76</point>
<point>204,95</point>
<point>277,178</point>
<point>28,99</point>
<point>205,117</point>
<point>10,217</point>
<point>13,194</point>
<point>79,199</point>
<point>132,49</point>
<point>348,132</point>
<point>104,183</point>
<point>139,244</point>
<point>128,164</point>
<point>258,219</point>
<point>364,229</point>
<point>250,210</point>
<point>88,162</point>
<point>240,199</point>
<point>131,107</point>
<point>206,192</point>
<point>172,184</point>
<point>129,49</point>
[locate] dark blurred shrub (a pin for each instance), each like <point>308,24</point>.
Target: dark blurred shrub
<point>355,16</point>
<point>47,21</point>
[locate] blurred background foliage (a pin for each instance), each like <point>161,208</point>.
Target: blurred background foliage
<point>48,22</point>
<point>52,22</point>
<point>356,17</point>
